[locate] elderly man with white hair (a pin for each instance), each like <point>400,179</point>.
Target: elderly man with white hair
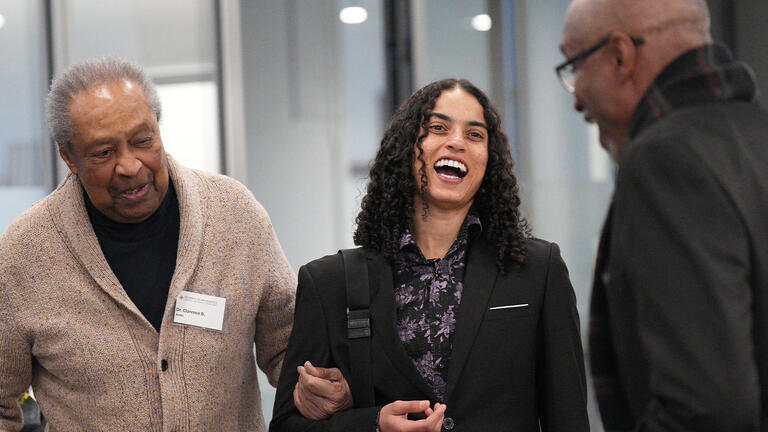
<point>132,296</point>
<point>679,314</point>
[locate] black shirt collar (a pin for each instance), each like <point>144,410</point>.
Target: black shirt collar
<point>134,231</point>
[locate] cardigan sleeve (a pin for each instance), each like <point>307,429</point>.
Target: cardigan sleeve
<point>15,368</point>
<point>273,319</point>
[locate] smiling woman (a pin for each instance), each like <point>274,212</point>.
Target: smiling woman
<point>452,155</point>
<point>445,118</point>
<point>453,291</point>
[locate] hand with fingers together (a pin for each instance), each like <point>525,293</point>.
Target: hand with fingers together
<point>321,392</point>
<point>394,417</point>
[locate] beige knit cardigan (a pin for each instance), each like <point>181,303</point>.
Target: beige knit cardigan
<point>68,328</point>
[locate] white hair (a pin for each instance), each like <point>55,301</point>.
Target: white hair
<point>84,76</point>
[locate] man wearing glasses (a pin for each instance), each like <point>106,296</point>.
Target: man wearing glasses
<point>679,314</point>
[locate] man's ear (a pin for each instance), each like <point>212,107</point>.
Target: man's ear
<point>68,160</point>
<point>626,53</point>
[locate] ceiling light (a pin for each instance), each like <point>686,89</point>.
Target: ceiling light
<point>353,15</point>
<point>2,21</point>
<point>481,22</point>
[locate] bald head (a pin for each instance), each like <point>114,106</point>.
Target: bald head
<point>632,41</point>
<point>678,25</point>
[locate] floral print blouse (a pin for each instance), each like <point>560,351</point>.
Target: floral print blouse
<point>427,298</point>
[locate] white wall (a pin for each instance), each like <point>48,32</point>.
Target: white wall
<point>446,46</point>
<point>291,85</point>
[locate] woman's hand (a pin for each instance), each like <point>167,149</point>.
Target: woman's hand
<point>394,417</point>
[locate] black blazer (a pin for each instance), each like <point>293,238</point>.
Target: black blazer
<point>511,369</point>
<point>683,272</point>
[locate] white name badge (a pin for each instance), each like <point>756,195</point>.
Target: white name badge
<point>199,310</point>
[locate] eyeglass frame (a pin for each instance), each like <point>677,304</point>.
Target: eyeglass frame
<point>581,55</point>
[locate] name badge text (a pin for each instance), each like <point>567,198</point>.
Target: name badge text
<point>199,310</point>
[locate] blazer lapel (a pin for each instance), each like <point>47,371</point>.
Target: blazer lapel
<point>479,280</point>
<point>383,317</point>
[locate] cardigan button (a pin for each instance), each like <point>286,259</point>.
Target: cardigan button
<point>448,423</point>
<point>164,365</point>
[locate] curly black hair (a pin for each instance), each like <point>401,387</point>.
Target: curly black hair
<point>387,209</point>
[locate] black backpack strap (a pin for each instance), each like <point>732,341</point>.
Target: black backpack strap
<point>358,326</point>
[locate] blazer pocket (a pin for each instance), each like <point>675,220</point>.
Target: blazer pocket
<point>507,311</point>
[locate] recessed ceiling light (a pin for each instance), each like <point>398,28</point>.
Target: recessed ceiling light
<point>353,15</point>
<point>481,22</point>
<point>2,21</point>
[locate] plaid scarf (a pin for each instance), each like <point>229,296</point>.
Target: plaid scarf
<point>701,75</point>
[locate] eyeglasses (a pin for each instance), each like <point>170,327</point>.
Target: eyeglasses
<point>567,74</point>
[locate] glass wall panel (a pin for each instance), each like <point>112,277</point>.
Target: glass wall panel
<point>475,40</point>
<point>315,110</point>
<point>24,147</point>
<point>175,41</point>
<point>365,107</point>
<point>451,40</point>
